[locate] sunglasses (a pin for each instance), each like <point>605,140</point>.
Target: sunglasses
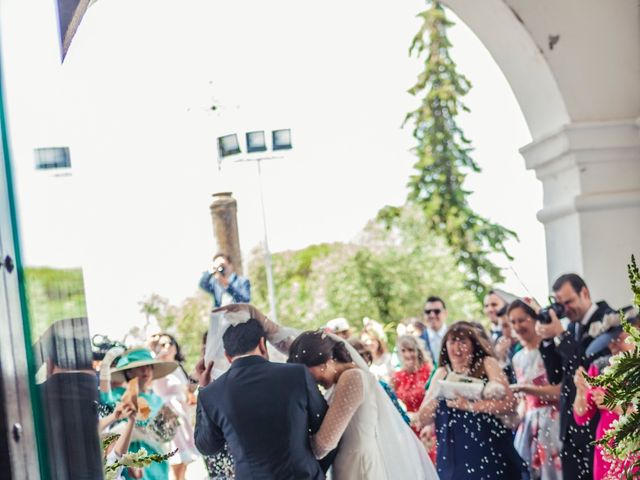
<point>435,311</point>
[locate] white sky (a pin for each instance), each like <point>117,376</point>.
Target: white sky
<point>131,102</point>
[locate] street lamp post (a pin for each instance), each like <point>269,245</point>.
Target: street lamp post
<point>229,145</point>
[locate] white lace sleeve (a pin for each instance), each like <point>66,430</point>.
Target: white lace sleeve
<point>347,398</point>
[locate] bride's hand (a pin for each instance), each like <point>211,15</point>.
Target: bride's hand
<point>269,326</point>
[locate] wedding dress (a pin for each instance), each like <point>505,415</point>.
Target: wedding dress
<point>374,441</point>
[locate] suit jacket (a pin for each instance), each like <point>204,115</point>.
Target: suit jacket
<point>265,412</point>
<point>561,362</point>
<point>239,288</point>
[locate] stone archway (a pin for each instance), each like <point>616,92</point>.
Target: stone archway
<point>574,67</point>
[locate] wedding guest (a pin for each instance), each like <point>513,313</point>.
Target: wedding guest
<point>156,431</point>
<point>538,436</point>
<point>496,301</point>
<point>435,316</point>
<point>68,400</point>
<point>365,353</point>
<point>589,400</point>
<point>374,338</point>
<point>339,326</point>
<point>409,382</point>
<point>174,390</point>
<point>507,345</point>
<point>128,412</point>
<point>472,440</point>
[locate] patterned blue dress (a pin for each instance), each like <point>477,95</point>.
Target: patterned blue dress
<point>475,446</point>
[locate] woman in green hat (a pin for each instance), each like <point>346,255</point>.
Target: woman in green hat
<point>154,432</point>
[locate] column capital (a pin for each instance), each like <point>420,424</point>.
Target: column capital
<point>583,143</point>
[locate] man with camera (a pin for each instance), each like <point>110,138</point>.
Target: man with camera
<point>563,351</point>
<point>224,284</point>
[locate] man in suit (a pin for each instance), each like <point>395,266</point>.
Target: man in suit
<point>264,411</point>
<point>435,316</point>
<point>563,351</point>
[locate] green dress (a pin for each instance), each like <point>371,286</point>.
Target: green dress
<point>144,432</point>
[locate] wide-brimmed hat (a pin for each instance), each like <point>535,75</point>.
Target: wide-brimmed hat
<point>140,357</point>
<point>609,329</point>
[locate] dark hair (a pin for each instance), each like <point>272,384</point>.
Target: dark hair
<point>223,255</point>
<point>523,306</point>
<point>242,338</point>
<point>480,347</point>
<point>433,298</point>
<point>362,349</point>
<point>481,330</point>
<point>419,326</point>
<point>179,355</point>
<point>576,281</point>
<point>316,347</point>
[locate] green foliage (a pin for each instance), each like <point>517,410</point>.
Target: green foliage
<point>53,294</point>
<point>385,275</point>
<point>187,321</point>
<point>622,382</point>
<point>444,158</point>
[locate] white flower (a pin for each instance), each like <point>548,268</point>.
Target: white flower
<point>595,329</point>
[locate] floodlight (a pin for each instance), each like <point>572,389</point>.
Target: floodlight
<point>281,139</point>
<point>256,142</point>
<point>228,145</point>
<point>52,158</point>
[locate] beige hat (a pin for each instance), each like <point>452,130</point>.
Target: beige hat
<point>140,357</point>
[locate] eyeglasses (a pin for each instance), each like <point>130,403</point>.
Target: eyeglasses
<point>435,311</point>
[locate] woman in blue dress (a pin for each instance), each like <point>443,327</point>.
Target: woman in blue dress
<point>469,402</point>
<point>153,433</point>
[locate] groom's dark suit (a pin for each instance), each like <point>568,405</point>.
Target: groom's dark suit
<point>265,412</point>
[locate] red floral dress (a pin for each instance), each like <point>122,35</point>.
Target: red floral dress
<point>409,387</point>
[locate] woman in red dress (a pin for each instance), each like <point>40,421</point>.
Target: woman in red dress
<point>409,382</point>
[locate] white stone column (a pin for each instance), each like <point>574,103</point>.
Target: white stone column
<point>591,211</point>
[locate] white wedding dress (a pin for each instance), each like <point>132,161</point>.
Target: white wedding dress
<point>374,441</point>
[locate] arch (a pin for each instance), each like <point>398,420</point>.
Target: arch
<point>512,47</point>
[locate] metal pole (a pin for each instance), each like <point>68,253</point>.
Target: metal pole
<point>267,253</point>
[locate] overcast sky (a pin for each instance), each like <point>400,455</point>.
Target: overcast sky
<point>132,102</point>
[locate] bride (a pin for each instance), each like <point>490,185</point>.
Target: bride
<point>375,442</point>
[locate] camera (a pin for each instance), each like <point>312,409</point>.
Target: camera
<point>101,344</point>
<point>558,308</point>
<point>220,270</point>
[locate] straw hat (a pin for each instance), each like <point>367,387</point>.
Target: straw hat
<point>140,357</point>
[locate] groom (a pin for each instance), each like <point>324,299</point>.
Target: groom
<point>265,411</point>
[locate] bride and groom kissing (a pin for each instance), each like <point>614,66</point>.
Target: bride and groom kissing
<point>277,423</point>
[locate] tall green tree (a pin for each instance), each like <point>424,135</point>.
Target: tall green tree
<point>444,157</point>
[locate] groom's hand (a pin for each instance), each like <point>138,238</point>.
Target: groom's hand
<point>204,372</point>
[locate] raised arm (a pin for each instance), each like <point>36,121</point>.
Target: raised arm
<point>348,397</point>
<point>280,337</point>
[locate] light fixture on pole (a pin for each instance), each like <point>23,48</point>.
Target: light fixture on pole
<point>256,144</point>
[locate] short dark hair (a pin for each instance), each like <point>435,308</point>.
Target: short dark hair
<point>433,298</point>
<point>576,281</point>
<point>242,338</point>
<point>522,306</point>
<point>223,255</point>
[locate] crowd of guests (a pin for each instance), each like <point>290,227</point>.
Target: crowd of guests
<point>510,401</point>
<point>537,417</point>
